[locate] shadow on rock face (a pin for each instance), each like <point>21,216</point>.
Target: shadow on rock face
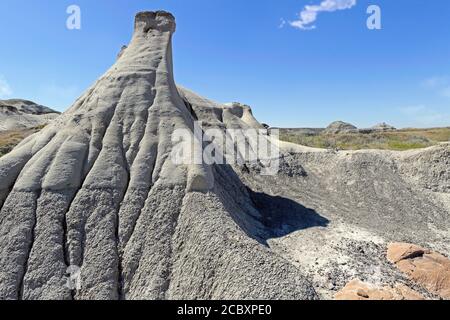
<point>282,216</point>
<point>260,215</point>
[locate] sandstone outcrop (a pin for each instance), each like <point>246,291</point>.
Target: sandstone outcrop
<point>427,268</point>
<point>358,290</point>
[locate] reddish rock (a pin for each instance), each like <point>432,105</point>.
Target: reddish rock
<point>429,269</point>
<point>358,290</point>
<point>402,251</point>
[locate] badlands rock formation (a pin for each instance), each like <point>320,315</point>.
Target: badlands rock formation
<point>340,127</point>
<point>429,269</point>
<point>357,290</point>
<point>21,114</point>
<point>97,189</point>
<point>383,127</point>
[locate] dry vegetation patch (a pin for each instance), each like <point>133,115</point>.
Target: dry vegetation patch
<point>405,139</point>
<point>9,139</point>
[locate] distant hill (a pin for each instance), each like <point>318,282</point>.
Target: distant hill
<point>16,114</point>
<point>340,126</point>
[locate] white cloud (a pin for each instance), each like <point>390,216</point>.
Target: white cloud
<point>440,84</point>
<point>425,116</point>
<point>5,89</point>
<point>57,96</point>
<point>446,92</point>
<point>413,110</point>
<point>59,91</point>
<point>309,14</point>
<point>435,82</point>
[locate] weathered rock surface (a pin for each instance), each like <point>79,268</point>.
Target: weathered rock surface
<point>22,114</point>
<point>358,290</point>
<point>427,268</point>
<point>340,127</point>
<point>383,127</point>
<point>427,169</point>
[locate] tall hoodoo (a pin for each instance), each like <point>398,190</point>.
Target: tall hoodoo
<point>97,190</point>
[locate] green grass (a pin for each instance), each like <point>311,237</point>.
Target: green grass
<point>400,140</point>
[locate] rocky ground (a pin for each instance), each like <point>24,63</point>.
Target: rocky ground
<point>358,203</point>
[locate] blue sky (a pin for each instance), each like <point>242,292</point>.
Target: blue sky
<point>234,50</point>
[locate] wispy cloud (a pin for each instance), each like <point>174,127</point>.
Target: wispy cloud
<point>413,110</point>
<point>440,84</point>
<point>435,81</point>
<point>310,13</point>
<point>425,116</point>
<point>59,91</point>
<point>5,89</point>
<point>446,92</point>
<point>57,96</point>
